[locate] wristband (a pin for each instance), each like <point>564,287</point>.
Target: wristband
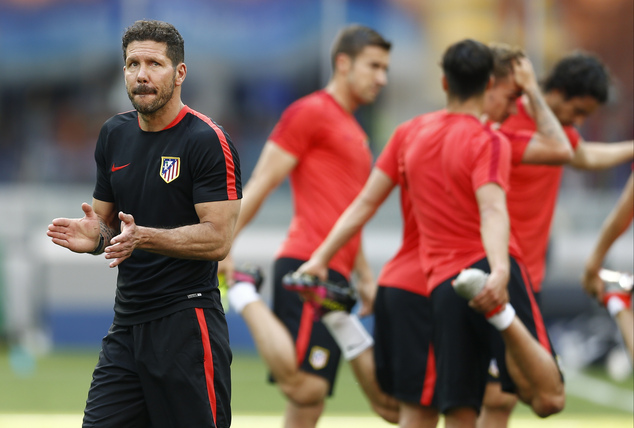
<point>100,246</point>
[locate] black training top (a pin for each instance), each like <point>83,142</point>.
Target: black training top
<point>158,177</point>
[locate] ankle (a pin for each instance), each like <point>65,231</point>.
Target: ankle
<point>241,294</point>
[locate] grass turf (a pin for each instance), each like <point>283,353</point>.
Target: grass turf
<point>58,383</point>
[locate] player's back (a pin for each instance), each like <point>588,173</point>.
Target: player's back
<point>453,156</point>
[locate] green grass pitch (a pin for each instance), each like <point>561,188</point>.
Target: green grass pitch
<point>56,389</point>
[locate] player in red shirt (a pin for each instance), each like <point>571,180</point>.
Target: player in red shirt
<point>457,176</point>
<point>575,88</point>
<point>402,361</point>
<point>402,326</point>
<point>322,148</point>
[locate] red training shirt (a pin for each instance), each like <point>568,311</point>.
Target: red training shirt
<point>334,162</point>
<point>404,270</point>
<point>532,198</point>
<point>454,155</point>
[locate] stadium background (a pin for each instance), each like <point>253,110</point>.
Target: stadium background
<point>60,78</point>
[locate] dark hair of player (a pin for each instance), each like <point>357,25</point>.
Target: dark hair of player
<point>503,58</point>
<point>156,31</point>
<point>578,75</point>
<point>467,66</point>
<point>354,38</point>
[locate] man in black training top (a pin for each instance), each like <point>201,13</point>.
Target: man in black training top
<point>164,208</point>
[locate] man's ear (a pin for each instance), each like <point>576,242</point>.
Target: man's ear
<point>491,82</point>
<point>181,73</point>
<point>343,63</point>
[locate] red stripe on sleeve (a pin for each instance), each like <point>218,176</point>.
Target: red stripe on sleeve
<point>542,335</point>
<point>429,386</point>
<point>232,192</point>
<point>208,361</point>
<point>303,334</point>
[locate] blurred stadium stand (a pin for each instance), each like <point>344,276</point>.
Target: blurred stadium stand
<point>60,78</point>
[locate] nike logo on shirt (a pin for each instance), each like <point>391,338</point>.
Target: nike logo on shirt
<point>117,168</point>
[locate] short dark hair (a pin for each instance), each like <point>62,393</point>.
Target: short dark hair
<point>156,31</point>
<point>503,58</point>
<point>354,38</point>
<point>577,75</point>
<point>467,66</point>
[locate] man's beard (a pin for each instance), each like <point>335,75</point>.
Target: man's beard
<point>162,97</point>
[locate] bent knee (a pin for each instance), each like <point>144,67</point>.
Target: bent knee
<point>309,391</point>
<point>549,405</point>
<point>497,400</point>
<point>388,415</point>
<point>502,402</point>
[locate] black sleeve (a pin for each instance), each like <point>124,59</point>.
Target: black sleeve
<point>216,167</point>
<point>103,189</point>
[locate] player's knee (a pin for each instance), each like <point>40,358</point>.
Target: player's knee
<point>305,393</point>
<point>389,415</point>
<point>549,404</point>
<point>501,402</point>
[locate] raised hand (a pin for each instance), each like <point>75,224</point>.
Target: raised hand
<point>80,235</point>
<point>524,74</point>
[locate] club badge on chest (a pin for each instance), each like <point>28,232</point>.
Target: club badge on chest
<point>170,168</point>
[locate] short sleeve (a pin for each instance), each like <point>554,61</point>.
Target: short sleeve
<point>389,159</point>
<point>518,140</point>
<point>103,189</point>
<point>216,167</point>
<point>492,161</point>
<point>295,129</point>
<point>573,136</point>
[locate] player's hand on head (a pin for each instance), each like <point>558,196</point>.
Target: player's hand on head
<point>524,73</point>
<point>121,246</point>
<point>80,235</point>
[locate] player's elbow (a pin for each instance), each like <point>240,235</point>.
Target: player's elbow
<point>219,253</point>
<point>563,155</point>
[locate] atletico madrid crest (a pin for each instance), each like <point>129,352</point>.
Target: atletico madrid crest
<point>170,168</point>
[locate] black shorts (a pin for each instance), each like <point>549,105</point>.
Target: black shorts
<point>169,372</point>
<point>527,308</point>
<point>317,351</point>
<point>403,354</point>
<point>465,342</point>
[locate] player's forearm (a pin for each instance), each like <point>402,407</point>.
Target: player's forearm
<point>203,241</point>
<point>348,225</point>
<point>548,127</point>
<point>254,195</point>
<point>614,225</point>
<point>494,230</point>
<point>594,156</point>
<point>362,267</point>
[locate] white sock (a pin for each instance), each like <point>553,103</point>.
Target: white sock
<point>503,319</point>
<point>241,294</point>
<point>348,332</point>
<point>615,305</point>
